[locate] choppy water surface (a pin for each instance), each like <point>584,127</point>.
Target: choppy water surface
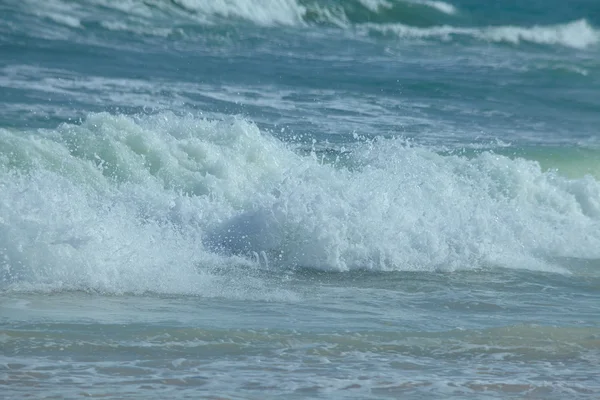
<point>299,199</point>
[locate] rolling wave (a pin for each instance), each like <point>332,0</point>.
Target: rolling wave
<point>407,19</point>
<point>577,34</point>
<point>260,12</point>
<point>156,203</point>
<point>340,13</point>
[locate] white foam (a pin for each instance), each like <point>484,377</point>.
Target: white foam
<point>156,18</point>
<point>65,20</point>
<point>262,12</point>
<point>156,203</point>
<point>442,6</point>
<point>140,29</point>
<point>375,5</point>
<point>65,225</point>
<point>577,34</point>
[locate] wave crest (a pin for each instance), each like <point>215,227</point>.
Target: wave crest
<point>158,202</point>
<point>420,19</point>
<point>577,34</point>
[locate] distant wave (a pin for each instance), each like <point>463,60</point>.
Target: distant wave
<point>577,34</point>
<point>341,13</point>
<point>261,12</point>
<point>442,6</point>
<point>407,19</point>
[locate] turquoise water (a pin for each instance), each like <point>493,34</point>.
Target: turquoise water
<point>256,199</point>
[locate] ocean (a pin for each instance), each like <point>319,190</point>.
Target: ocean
<point>289,199</point>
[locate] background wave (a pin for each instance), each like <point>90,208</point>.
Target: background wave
<point>422,19</point>
<point>577,34</point>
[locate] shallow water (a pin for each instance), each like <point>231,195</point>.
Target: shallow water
<point>460,335</point>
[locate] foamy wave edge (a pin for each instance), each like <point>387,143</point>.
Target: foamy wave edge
<point>167,203</point>
<point>577,34</point>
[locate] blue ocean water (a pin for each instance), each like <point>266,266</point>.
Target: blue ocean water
<point>252,199</point>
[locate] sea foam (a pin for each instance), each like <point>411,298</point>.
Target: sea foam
<point>156,203</point>
<point>363,16</point>
<point>576,34</point>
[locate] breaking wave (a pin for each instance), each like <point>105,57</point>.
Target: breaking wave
<point>157,203</point>
<point>577,34</point>
<point>406,19</point>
